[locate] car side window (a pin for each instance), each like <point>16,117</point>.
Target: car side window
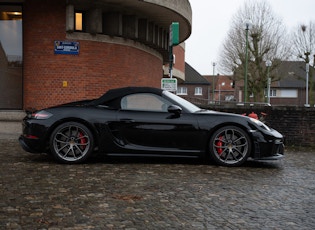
<point>144,102</point>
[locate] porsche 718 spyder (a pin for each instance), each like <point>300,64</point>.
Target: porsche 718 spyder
<point>147,122</point>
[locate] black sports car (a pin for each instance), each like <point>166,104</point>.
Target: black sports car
<point>144,121</point>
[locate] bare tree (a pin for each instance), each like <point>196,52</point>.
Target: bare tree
<point>303,47</point>
<point>303,42</point>
<point>266,41</point>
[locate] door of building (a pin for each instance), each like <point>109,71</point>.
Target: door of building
<point>11,61</point>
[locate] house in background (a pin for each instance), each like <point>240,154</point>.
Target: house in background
<point>207,89</point>
<point>220,89</point>
<point>195,88</point>
<point>289,90</point>
<point>224,88</point>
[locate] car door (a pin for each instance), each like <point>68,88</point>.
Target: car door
<point>144,124</point>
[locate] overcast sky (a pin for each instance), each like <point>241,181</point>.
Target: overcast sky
<point>211,22</point>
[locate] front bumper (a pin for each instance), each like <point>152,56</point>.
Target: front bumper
<point>268,145</point>
<point>272,150</point>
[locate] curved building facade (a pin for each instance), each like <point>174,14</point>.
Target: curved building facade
<point>78,49</point>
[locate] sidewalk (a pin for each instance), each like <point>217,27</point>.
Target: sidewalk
<point>11,124</point>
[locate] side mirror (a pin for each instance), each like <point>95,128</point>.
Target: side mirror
<point>176,110</point>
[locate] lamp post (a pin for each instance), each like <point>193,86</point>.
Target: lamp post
<point>247,28</point>
<point>307,68</point>
<point>213,80</point>
<point>268,64</point>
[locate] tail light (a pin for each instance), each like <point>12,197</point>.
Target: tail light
<point>40,115</point>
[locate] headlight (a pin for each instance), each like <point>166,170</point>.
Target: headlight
<point>40,115</point>
<point>260,124</point>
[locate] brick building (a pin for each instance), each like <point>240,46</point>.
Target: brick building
<point>206,89</point>
<point>78,49</point>
<point>195,88</point>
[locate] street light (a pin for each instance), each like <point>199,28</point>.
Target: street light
<point>268,64</point>
<point>248,25</point>
<point>213,87</point>
<point>307,69</point>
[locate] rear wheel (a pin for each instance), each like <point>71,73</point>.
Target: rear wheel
<point>230,146</point>
<point>71,142</point>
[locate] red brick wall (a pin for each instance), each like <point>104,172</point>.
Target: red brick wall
<point>295,123</point>
<point>98,67</point>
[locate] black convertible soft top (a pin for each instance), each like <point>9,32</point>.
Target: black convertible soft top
<point>113,94</point>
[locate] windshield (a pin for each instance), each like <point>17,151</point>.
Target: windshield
<point>182,102</point>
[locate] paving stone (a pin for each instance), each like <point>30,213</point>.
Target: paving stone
<point>135,194</point>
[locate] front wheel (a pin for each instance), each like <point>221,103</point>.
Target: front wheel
<point>230,146</point>
<point>71,142</point>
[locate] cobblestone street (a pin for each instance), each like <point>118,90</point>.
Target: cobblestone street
<point>122,193</point>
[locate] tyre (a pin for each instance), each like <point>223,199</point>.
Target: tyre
<point>230,146</point>
<point>71,142</point>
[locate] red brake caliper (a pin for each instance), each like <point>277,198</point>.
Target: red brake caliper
<point>82,140</point>
<point>219,145</point>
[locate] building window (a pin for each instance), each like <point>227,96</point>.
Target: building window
<point>273,93</point>
<point>79,21</point>
<point>181,91</point>
<point>198,91</point>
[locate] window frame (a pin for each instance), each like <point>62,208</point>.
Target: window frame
<point>198,91</point>
<point>182,90</point>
